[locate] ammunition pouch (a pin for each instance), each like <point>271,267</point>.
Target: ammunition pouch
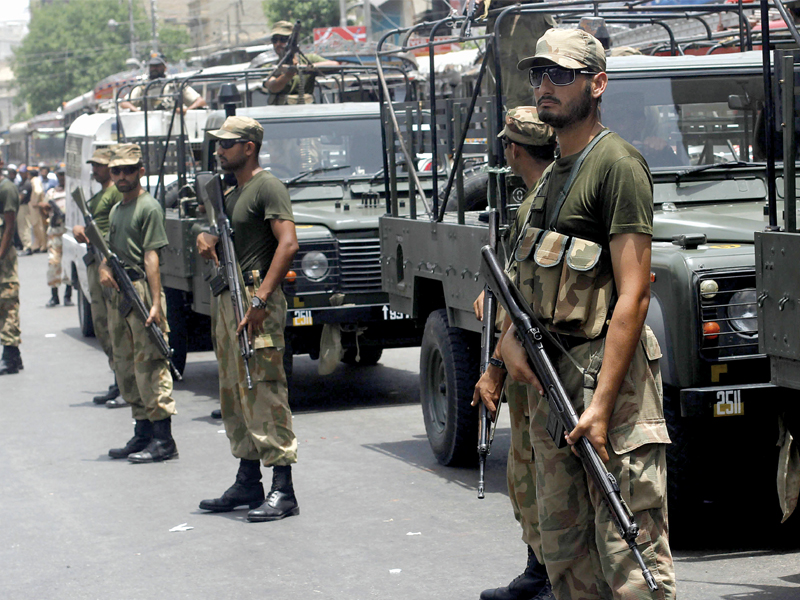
<point>89,258</point>
<point>567,281</point>
<point>217,280</point>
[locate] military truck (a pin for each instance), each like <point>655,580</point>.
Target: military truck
<point>699,122</point>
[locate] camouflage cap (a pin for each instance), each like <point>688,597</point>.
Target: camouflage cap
<point>125,155</point>
<point>524,127</point>
<point>101,156</point>
<point>568,48</point>
<point>282,28</point>
<point>239,128</point>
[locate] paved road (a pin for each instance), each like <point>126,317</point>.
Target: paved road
<point>379,517</point>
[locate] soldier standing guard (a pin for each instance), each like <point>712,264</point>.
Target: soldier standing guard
<point>136,234</point>
<point>11,362</point>
<point>258,422</point>
<point>55,202</point>
<point>100,206</point>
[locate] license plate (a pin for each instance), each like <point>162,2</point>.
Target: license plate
<point>729,404</point>
<point>302,317</point>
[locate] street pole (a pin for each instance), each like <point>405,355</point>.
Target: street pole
<point>153,14</point>
<point>132,31</point>
<point>368,18</point>
<point>342,13</point>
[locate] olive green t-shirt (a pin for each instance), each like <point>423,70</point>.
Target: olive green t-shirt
<point>137,227</point>
<point>250,209</point>
<point>612,193</point>
<point>100,206</point>
<point>9,200</point>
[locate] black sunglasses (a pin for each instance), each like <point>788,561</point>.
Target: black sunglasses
<point>557,75</point>
<point>127,169</point>
<point>279,38</point>
<point>506,142</point>
<point>228,144</point>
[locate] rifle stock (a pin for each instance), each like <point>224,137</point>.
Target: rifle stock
<point>531,334</point>
<point>131,300</point>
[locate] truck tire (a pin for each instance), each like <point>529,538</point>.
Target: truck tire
<point>369,356</point>
<point>84,313</point>
<point>476,187</point>
<point>177,315</point>
<point>448,370</point>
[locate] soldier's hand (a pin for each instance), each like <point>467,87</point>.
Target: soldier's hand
<point>594,428</point>
<point>477,306</point>
<point>253,320</point>
<point>156,316</point>
<point>207,246</point>
<point>79,233</point>
<point>488,389</point>
<point>107,278</point>
<point>516,360</point>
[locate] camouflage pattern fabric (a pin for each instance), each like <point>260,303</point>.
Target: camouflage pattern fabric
<point>100,310</point>
<point>585,556</point>
<point>143,374</point>
<point>520,467</point>
<point>9,298</point>
<point>258,422</point>
<point>55,277</point>
<point>30,219</point>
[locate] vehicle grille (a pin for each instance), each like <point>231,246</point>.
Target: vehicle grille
<point>360,265</point>
<point>731,342</point>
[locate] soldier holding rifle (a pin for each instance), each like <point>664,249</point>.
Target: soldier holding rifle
<point>258,421</point>
<point>137,234</point>
<point>583,266</point>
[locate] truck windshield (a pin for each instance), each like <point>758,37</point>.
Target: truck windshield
<point>680,122</point>
<point>319,147</point>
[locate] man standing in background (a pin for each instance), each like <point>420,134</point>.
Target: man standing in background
<point>55,202</point>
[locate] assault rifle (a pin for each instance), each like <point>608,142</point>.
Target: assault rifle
<point>228,276</point>
<point>530,333</point>
<point>130,297</point>
<point>487,426</point>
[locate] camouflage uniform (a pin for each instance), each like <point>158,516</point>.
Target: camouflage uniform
<point>55,232</point>
<point>9,276</point>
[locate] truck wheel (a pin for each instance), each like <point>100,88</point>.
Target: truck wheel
<point>448,371</point>
<point>476,188</point>
<point>370,355</point>
<point>177,315</point>
<point>84,313</point>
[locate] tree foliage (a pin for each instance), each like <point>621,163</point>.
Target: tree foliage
<point>312,13</point>
<point>70,47</point>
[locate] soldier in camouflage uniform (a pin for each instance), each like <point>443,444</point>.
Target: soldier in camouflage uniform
<point>136,234</point>
<point>100,206</point>
<point>11,362</point>
<point>529,148</point>
<point>597,235</point>
<point>258,421</point>
<point>55,201</point>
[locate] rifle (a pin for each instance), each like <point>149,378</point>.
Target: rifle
<point>487,426</point>
<point>228,276</point>
<point>131,299</point>
<point>56,214</point>
<point>292,48</point>
<point>530,333</point>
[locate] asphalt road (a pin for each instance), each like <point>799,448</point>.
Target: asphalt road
<point>379,517</point>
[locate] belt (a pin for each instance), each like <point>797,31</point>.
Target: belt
<point>133,274</point>
<point>248,276</point>
<point>568,342</point>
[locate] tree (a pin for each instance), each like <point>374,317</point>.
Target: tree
<point>70,47</point>
<point>172,41</point>
<point>312,13</point>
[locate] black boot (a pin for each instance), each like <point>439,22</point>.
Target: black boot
<point>531,585</point>
<point>161,447</point>
<point>142,434</point>
<point>11,362</point>
<point>53,298</point>
<point>68,296</point>
<point>280,502</point>
<point>247,489</point>
<point>216,413</point>
<point>111,394</point>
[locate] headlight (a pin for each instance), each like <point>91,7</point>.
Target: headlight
<point>743,313</point>
<point>315,266</point>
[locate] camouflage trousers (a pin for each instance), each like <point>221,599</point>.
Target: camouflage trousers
<point>9,299</point>
<point>143,375</point>
<point>29,218</point>
<point>520,467</point>
<point>585,556</point>
<point>100,310</point>
<point>258,422</point>
<point>54,249</point>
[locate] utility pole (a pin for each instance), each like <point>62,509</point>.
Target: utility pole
<point>132,31</point>
<point>342,13</point>
<point>154,38</point>
<point>368,18</point>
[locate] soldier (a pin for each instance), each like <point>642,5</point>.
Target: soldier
<point>292,84</point>
<point>11,361</point>
<point>258,422</point>
<point>529,148</point>
<point>55,200</point>
<point>100,206</point>
<point>599,206</point>
<point>158,70</point>
<point>137,234</point>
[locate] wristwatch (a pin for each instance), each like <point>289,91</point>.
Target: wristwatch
<point>258,303</point>
<point>497,363</point>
